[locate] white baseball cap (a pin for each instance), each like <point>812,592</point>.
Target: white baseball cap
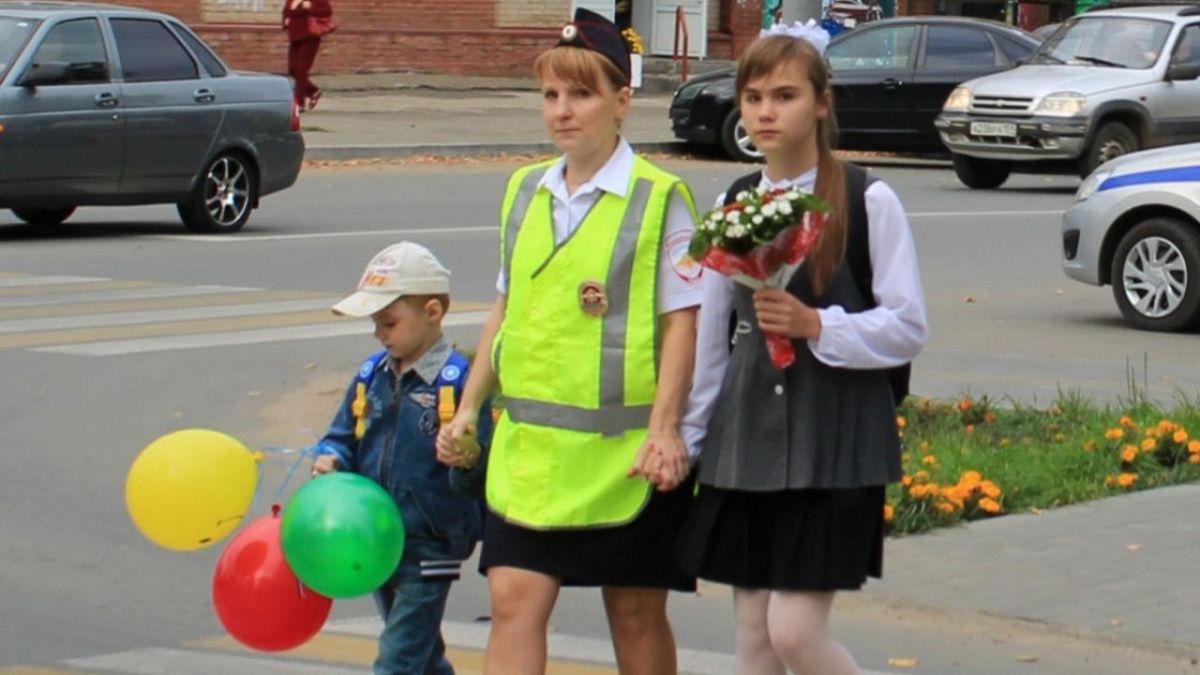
<point>398,270</point>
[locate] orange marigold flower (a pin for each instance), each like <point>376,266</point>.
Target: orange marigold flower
<point>1089,446</point>
<point>901,423</point>
<point>1193,446</point>
<point>964,405</point>
<point>1129,453</point>
<point>921,476</point>
<point>1127,479</point>
<point>929,460</point>
<point>970,478</point>
<point>945,507</point>
<point>1149,445</point>
<point>1127,422</point>
<point>990,489</point>
<point>889,512</point>
<point>970,428</point>
<point>1181,436</point>
<point>1152,432</point>
<point>1115,434</point>
<point>1194,458</point>
<point>989,505</point>
<point>906,481</point>
<point>989,417</point>
<point>1166,426</point>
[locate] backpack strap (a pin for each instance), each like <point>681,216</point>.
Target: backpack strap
<point>858,258</point>
<point>362,382</point>
<point>449,385</point>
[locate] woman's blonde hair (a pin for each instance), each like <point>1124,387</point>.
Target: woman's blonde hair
<point>576,64</point>
<point>760,60</point>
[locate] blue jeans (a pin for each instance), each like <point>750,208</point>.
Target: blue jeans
<point>411,642</point>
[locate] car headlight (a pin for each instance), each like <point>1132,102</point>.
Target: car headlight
<point>688,92</point>
<point>1092,183</point>
<point>1062,104</point>
<point>959,100</point>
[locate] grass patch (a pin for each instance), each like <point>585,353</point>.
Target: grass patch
<point>972,459</point>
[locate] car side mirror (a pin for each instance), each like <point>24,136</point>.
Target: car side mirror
<point>1183,71</point>
<point>51,72</point>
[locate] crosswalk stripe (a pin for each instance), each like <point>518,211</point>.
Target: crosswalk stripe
<point>12,282</point>
<point>161,315</point>
<point>148,330</point>
<point>148,304</point>
<point>133,294</point>
<point>77,287</point>
<point>245,337</point>
<point>161,661</point>
<point>36,670</point>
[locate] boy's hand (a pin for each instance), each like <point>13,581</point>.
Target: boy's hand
<point>450,450</point>
<point>325,464</point>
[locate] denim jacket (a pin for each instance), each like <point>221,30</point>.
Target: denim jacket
<point>397,451</point>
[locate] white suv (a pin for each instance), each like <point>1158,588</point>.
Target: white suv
<point>1104,84</point>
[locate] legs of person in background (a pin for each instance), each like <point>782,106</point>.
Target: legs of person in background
<point>753,653</point>
<point>302,54</point>
<point>798,626</point>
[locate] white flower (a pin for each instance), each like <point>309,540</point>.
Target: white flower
<point>757,220</point>
<point>769,208</point>
<point>734,217</point>
<point>743,196</point>
<point>785,208</point>
<point>792,196</point>
<point>751,208</point>
<point>717,216</point>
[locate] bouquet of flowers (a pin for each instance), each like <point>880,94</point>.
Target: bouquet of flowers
<point>752,239</point>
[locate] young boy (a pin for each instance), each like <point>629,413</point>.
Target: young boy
<point>385,430</point>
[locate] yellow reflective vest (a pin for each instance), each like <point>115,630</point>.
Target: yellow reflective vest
<point>577,353</point>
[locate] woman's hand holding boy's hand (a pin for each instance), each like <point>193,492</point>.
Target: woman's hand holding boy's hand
<point>449,440</point>
<point>784,314</point>
<point>325,464</point>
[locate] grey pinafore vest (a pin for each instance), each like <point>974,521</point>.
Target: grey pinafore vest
<point>809,425</point>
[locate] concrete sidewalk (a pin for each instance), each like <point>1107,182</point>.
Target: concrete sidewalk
<point>396,115</point>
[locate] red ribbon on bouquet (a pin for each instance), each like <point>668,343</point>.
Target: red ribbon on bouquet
<point>788,247</point>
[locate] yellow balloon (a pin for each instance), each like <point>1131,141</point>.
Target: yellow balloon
<point>190,488</point>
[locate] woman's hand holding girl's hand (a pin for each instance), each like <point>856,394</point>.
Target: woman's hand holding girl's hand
<point>784,314</point>
<point>449,449</point>
<point>663,460</point>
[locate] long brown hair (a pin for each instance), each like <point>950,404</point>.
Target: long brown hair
<point>576,64</point>
<point>760,60</point>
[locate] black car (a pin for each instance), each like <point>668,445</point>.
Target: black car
<point>890,79</point>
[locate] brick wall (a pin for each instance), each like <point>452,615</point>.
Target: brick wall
<point>457,37</point>
<point>532,13</point>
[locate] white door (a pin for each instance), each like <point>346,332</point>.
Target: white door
<point>605,8</point>
<point>662,30</point>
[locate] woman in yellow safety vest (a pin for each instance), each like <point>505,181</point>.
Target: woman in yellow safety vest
<point>591,340</point>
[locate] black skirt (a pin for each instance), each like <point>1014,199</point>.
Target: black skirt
<point>801,540</point>
<point>637,554</point>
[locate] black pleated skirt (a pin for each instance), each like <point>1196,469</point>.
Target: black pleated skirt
<point>801,540</point>
<point>637,554</point>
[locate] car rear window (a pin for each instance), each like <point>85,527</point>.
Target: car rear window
<point>14,33</point>
<point>150,53</point>
<point>211,63</point>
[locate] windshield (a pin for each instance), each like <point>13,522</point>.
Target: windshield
<point>1112,42</point>
<point>14,33</point>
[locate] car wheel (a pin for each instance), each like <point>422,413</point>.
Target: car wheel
<point>980,174</point>
<point>225,193</point>
<point>1112,140</point>
<point>44,217</point>
<point>1156,275</point>
<point>736,140</point>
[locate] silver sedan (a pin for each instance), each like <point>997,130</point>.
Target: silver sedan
<point>1136,225</point>
<point>106,105</point>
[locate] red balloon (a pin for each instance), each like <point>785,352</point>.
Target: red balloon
<point>257,597</point>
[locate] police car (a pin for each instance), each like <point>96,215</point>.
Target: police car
<point>1135,225</point>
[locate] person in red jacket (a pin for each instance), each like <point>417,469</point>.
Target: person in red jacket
<point>305,21</point>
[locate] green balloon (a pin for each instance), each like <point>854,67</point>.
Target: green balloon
<point>342,535</point>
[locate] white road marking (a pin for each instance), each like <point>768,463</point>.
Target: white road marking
<point>246,337</point>
<point>163,315</point>
<point>983,214</point>
<point>247,239</point>
<point>39,281</point>
<point>132,294</point>
<point>159,661</point>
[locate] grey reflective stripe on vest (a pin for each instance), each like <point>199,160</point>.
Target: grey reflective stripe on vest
<point>613,417</point>
<point>516,216</point>
<point>608,421</point>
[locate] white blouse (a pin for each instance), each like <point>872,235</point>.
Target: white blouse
<point>678,276</point>
<point>890,334</point>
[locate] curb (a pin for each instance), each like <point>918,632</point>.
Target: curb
<point>677,148</point>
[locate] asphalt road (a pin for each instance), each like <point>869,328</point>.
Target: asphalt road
<point>82,394</point>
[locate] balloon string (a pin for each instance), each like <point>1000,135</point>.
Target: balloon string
<point>279,451</point>
<point>306,453</point>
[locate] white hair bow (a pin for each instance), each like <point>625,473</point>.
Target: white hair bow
<point>810,31</point>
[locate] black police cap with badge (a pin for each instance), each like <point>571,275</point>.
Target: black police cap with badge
<point>592,31</point>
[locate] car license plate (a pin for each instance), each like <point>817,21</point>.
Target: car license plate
<point>993,129</point>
